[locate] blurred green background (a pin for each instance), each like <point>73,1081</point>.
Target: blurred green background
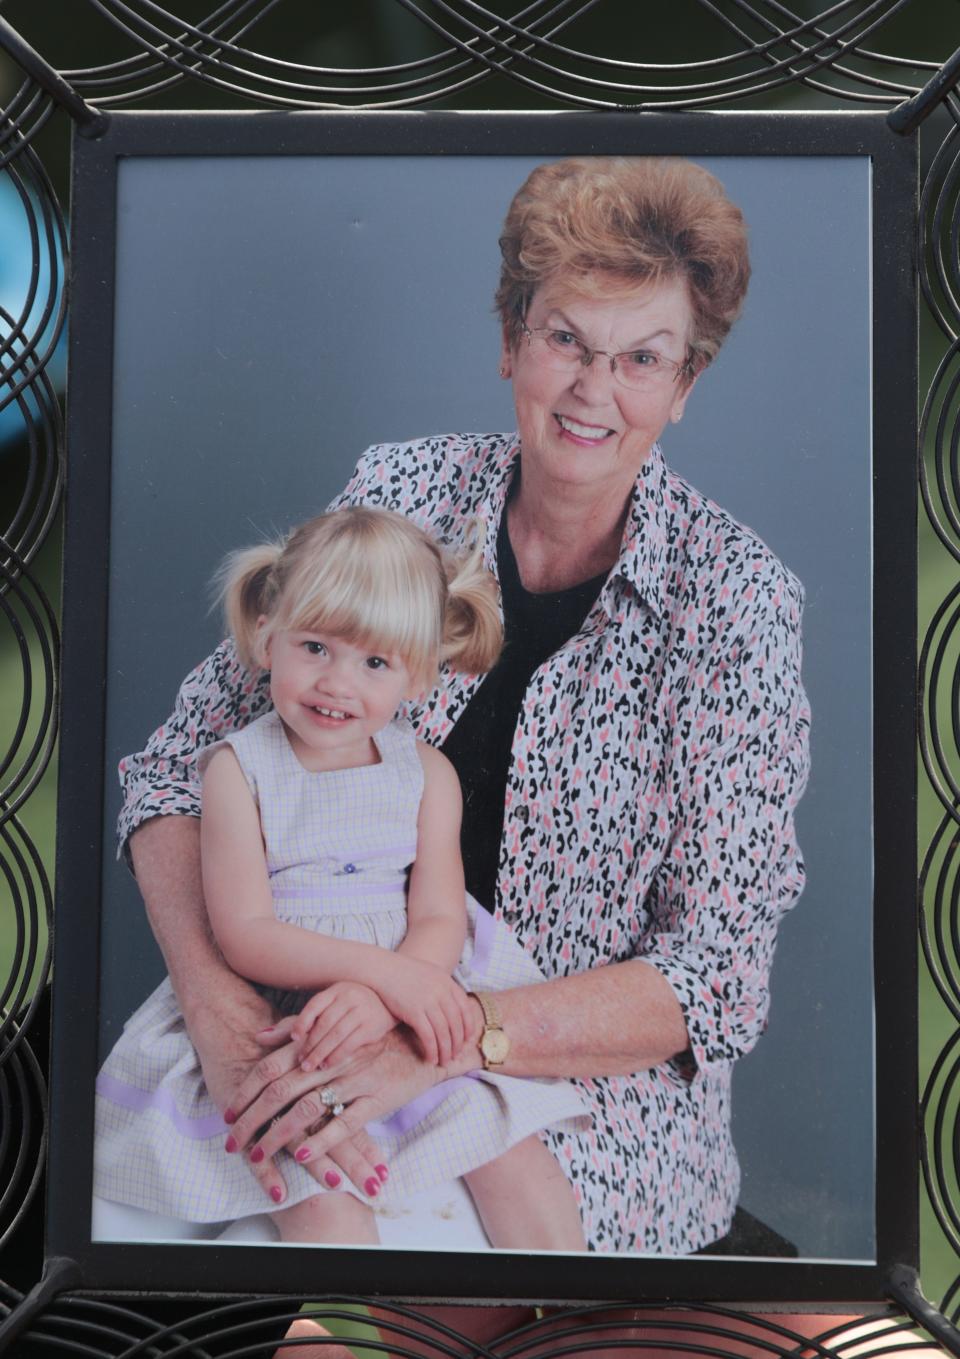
<point>367,33</point>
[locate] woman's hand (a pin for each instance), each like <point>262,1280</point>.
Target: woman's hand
<point>337,1022</point>
<point>285,1103</point>
<point>277,1077</point>
<point>223,1034</point>
<point>422,995</point>
<point>228,1055</point>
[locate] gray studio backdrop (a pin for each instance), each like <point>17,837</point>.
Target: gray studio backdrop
<point>277,315</point>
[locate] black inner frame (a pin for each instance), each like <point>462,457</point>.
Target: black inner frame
<point>203,1267</point>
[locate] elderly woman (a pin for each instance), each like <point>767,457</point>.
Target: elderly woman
<point>630,768</point>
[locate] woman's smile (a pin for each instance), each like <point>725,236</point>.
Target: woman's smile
<point>579,433</point>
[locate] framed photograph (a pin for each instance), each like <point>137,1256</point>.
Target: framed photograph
<point>260,297</point>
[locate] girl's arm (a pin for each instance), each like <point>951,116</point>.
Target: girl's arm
<point>258,946</point>
<point>237,891</point>
<point>343,1018</point>
<point>436,901</point>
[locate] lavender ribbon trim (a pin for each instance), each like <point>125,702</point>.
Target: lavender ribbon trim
<point>201,1129</point>
<point>409,1115</point>
<point>483,934</point>
<point>132,1097</point>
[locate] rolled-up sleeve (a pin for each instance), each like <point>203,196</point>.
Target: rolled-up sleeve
<point>733,865</point>
<point>369,483</point>
<point>219,696</point>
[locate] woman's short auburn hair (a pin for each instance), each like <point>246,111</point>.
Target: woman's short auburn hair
<point>602,223</point>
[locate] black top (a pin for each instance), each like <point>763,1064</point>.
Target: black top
<point>535,626</point>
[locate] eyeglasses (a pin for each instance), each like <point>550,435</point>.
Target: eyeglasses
<point>635,369</point>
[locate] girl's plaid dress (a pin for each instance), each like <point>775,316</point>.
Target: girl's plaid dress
<point>338,847</point>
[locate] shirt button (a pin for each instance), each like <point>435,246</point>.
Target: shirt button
<point>522,814</point>
<point>511,917</point>
<point>349,868</point>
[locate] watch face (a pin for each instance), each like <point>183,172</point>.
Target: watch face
<point>495,1045</point>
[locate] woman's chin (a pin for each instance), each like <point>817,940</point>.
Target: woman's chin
<point>592,469</point>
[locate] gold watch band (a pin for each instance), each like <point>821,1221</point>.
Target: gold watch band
<point>491,1014</point>
<point>494,1043</point>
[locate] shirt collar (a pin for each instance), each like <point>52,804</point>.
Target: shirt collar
<point>643,548</point>
<point>501,464</point>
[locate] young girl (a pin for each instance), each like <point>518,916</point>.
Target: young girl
<point>332,876</point>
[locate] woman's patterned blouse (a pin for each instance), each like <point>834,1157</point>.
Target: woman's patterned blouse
<point>656,766</point>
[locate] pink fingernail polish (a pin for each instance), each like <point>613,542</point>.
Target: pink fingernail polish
<point>231,1143</point>
<point>256,1156</point>
<point>229,1116</point>
<point>332,1179</point>
<point>302,1154</point>
<point>372,1187</point>
<point>382,1171</point>
<point>276,1193</point>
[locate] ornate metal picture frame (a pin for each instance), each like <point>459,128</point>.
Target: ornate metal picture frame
<point>327,259</point>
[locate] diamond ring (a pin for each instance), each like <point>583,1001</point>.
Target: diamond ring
<point>331,1101</point>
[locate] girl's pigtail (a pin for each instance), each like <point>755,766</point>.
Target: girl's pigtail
<point>472,626</point>
<point>247,587</point>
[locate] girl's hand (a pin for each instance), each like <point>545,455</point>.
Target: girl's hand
<point>337,1022</point>
<point>434,1006</point>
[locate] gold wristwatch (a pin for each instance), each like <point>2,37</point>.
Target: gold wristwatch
<point>494,1043</point>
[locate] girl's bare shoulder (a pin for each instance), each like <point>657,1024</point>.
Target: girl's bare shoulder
<point>437,769</point>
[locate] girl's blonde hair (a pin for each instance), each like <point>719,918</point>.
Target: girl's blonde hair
<point>373,578</point>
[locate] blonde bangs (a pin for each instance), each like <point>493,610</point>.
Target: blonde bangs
<point>371,578</point>
<point>375,579</point>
